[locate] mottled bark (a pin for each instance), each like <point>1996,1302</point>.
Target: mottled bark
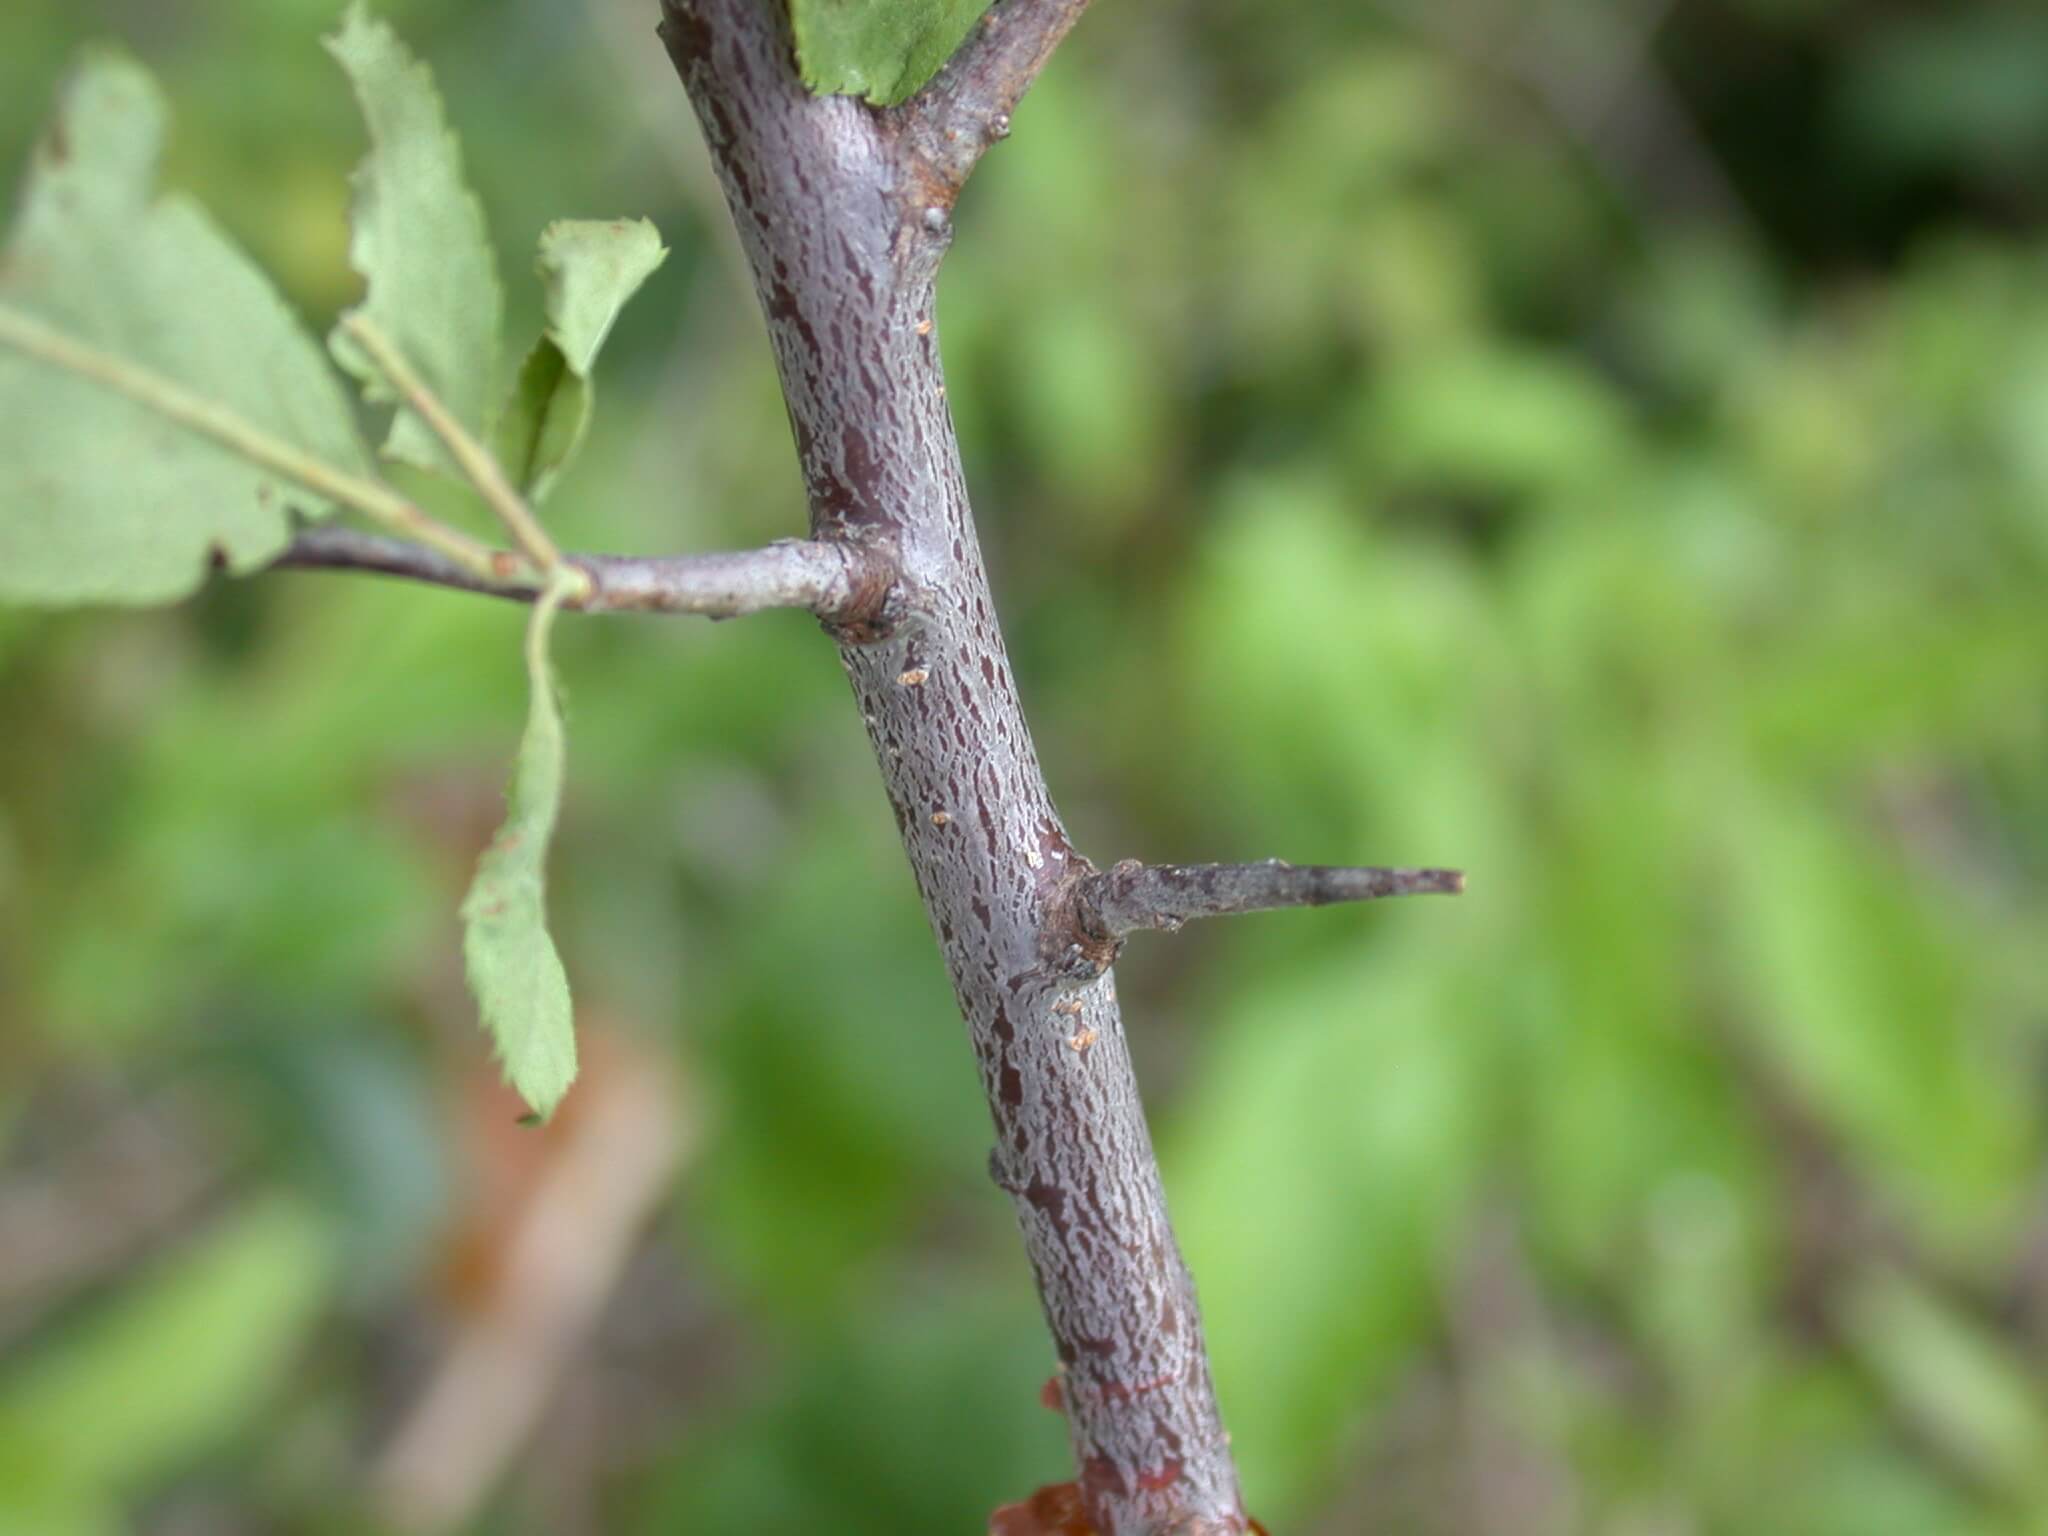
<point>844,212</point>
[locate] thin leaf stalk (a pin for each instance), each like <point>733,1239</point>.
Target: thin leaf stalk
<point>476,461</point>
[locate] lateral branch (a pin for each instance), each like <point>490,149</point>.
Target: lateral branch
<point>966,106</point>
<point>837,581</point>
<point>1132,895</point>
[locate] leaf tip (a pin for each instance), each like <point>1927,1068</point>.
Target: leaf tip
<point>543,1094</point>
<point>357,22</point>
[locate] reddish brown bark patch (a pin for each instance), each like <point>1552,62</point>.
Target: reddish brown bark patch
<point>1055,1510</point>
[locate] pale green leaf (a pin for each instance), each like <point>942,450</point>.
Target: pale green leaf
<point>1952,1378</point>
<point>1859,994</point>
<point>590,267</point>
<point>418,239</point>
<point>1316,1293</point>
<point>102,498</point>
<point>544,422</point>
<point>176,1362</point>
<point>513,967</point>
<point>883,50</point>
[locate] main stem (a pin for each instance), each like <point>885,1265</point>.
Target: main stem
<point>844,219</point>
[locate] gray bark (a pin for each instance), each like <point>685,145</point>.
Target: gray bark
<point>844,212</point>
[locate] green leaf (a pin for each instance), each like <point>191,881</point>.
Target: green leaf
<point>884,50</point>
<point>513,967</point>
<point>1957,1382</point>
<point>175,1364</point>
<point>544,421</point>
<point>590,267</point>
<point>1860,994</point>
<point>104,498</point>
<point>418,239</point>
<point>1313,1300</point>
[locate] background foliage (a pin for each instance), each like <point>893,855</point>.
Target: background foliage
<point>1602,446</point>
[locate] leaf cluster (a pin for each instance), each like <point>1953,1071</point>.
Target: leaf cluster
<point>162,413</point>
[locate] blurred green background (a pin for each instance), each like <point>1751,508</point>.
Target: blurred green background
<point>1600,445</point>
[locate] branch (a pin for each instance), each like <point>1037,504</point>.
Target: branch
<point>1118,901</point>
<point>966,107</point>
<point>841,583</point>
<point>834,202</point>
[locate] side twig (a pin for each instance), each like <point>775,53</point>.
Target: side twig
<point>839,582</point>
<point>1130,896</point>
<point>966,107</point>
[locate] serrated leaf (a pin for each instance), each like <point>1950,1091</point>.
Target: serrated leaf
<point>883,50</point>
<point>418,239</point>
<point>513,968</point>
<point>590,268</point>
<point>103,499</point>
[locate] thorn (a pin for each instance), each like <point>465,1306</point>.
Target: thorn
<point>1132,895</point>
